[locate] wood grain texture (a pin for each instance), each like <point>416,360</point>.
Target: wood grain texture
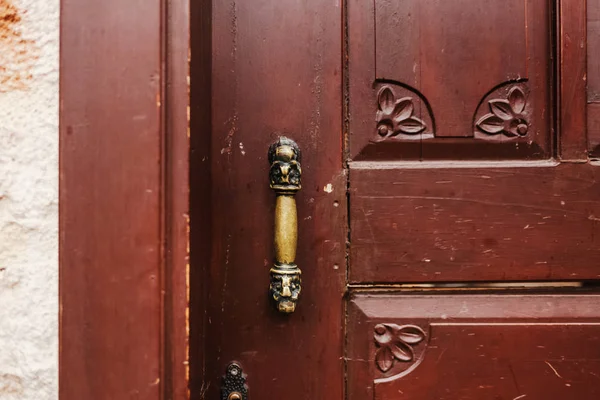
<point>276,69</point>
<point>479,346</point>
<point>593,126</point>
<point>200,185</point>
<point>452,222</point>
<point>593,51</point>
<point>123,200</point>
<point>419,43</point>
<point>593,77</point>
<point>176,198</point>
<point>573,77</point>
<point>360,76</point>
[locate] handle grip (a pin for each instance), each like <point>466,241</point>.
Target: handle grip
<point>285,177</point>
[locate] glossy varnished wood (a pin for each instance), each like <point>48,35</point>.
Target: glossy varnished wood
<point>200,193</point>
<point>175,163</point>
<point>573,80</point>
<point>276,70</point>
<point>477,346</point>
<point>593,77</point>
<point>593,53</point>
<point>434,54</point>
<point>450,71</point>
<point>413,220</point>
<point>123,200</point>
<point>593,129</point>
<point>455,222</point>
<point>110,201</point>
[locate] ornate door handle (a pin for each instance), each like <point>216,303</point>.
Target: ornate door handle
<point>285,174</point>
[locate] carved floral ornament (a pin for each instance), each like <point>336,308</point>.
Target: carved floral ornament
<point>506,116</point>
<point>396,117</point>
<point>395,344</point>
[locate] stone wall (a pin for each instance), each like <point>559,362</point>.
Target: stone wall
<point>29,32</point>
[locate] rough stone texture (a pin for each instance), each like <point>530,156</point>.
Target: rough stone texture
<point>29,33</point>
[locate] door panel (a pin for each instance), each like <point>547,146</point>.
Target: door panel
<point>465,346</point>
<point>474,223</point>
<point>276,70</point>
<point>454,173</point>
<point>425,71</point>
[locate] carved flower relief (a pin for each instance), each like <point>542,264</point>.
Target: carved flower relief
<point>396,116</point>
<point>395,343</point>
<point>506,116</point>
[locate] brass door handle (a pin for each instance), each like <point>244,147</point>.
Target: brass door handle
<point>285,175</point>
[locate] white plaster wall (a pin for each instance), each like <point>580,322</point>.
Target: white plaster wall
<point>29,32</point>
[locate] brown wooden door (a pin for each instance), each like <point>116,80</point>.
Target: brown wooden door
<point>448,217</point>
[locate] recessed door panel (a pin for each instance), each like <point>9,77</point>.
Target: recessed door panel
<point>466,79</point>
<point>466,222</point>
<point>448,347</point>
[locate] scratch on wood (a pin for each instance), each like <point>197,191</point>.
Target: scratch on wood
<point>226,273</point>
<point>553,369</point>
<point>478,201</point>
<point>227,149</point>
<point>229,138</point>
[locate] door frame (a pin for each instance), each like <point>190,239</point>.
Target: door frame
<point>123,247</point>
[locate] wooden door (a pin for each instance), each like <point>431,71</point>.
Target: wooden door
<point>448,214</point>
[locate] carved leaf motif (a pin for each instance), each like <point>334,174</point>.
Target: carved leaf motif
<point>501,108</point>
<point>410,334</point>
<point>506,115</point>
<point>412,126</point>
<point>395,343</point>
<point>491,124</point>
<point>384,358</point>
<point>516,98</point>
<point>402,351</point>
<point>386,100</point>
<point>397,116</point>
<point>404,109</point>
